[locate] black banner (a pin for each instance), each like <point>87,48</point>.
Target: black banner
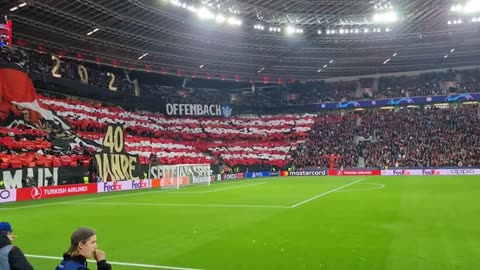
<point>114,163</point>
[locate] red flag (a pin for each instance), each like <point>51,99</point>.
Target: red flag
<point>9,32</point>
<point>16,87</point>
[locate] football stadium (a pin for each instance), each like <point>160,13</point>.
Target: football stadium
<point>239,134</point>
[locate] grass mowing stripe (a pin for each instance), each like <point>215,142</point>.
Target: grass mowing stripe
<point>184,204</point>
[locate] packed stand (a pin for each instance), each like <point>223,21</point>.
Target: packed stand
<point>25,146</point>
<point>329,135</point>
<point>290,93</point>
<point>426,138</point>
<point>191,140</point>
<point>435,83</point>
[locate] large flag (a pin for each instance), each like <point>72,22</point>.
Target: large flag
<point>19,102</point>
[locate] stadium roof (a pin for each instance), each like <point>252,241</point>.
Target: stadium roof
<point>172,38</point>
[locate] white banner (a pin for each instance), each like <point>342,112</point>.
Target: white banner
<point>8,195</point>
<point>201,179</point>
<point>122,185</point>
<point>460,171</point>
<point>160,171</point>
<point>452,171</point>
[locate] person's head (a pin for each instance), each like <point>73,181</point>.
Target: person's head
<point>6,229</point>
<point>83,242</point>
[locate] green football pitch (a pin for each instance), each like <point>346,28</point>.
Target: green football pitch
<point>398,223</point>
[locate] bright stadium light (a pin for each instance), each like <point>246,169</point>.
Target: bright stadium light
<point>386,61</point>
<point>452,50</point>
<point>234,21</point>
<point>290,30</point>
<point>472,6</point>
<point>293,30</point>
<point>176,3</point>
<point>325,66</point>
<point>192,9</point>
<point>220,18</point>
<point>386,17</point>
<point>331,61</point>
<point>274,29</point>
<point>204,13</point>
<point>446,56</point>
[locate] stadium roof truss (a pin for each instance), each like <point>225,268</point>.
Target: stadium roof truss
<point>177,41</point>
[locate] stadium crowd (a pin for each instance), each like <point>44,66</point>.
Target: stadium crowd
<point>329,135</point>
<point>430,137</point>
<point>288,93</point>
<point>404,138</point>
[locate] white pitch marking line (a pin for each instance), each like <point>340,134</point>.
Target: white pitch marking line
<point>325,193</point>
<point>115,195</point>
<point>118,263</point>
<point>220,189</point>
<point>184,204</point>
<point>377,186</point>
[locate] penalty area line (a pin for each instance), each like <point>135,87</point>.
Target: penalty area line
<point>118,263</point>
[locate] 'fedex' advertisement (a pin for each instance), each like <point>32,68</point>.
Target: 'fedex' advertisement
<point>116,186</point>
<point>140,184</point>
<point>36,193</point>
